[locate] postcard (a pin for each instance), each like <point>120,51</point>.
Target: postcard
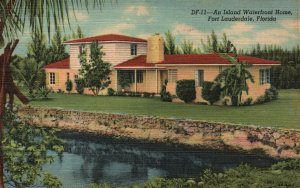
<point>128,93</point>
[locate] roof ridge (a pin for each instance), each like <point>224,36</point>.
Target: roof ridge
<point>106,35</point>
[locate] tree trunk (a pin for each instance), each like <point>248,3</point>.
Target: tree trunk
<point>7,86</point>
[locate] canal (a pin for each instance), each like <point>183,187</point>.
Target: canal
<point>93,159</point>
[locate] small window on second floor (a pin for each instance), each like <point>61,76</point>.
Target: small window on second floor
<point>133,49</point>
<point>75,77</point>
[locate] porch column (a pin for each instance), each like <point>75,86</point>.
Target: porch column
<point>116,84</point>
<point>156,79</point>
<point>135,84</point>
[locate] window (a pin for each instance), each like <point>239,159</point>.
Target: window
<point>82,49</point>
<point>139,76</point>
<point>264,76</point>
<point>133,49</point>
<point>75,77</point>
<point>199,78</point>
<point>68,76</point>
<point>52,78</point>
<point>172,75</point>
<point>220,69</point>
<point>126,74</point>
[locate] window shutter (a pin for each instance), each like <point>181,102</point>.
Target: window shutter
<point>57,78</point>
<point>196,78</point>
<point>47,78</point>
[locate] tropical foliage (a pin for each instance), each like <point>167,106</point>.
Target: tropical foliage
<point>233,80</point>
<point>123,79</point>
<point>213,45</point>
<point>96,72</point>
<point>25,152</point>
<point>281,174</point>
<point>69,86</point>
<point>14,17</point>
<point>29,74</point>
<point>79,85</point>
<point>210,93</point>
<point>186,47</point>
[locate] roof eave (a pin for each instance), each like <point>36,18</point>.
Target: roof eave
<point>70,43</point>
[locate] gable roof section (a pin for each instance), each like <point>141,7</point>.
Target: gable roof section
<point>199,59</point>
<point>63,64</point>
<point>107,38</point>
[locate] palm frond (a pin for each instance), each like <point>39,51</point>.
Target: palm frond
<point>39,13</point>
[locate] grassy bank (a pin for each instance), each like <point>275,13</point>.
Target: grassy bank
<point>284,112</point>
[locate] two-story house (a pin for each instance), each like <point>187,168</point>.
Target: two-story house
<point>148,67</point>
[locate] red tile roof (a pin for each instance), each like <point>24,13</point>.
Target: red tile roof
<point>63,64</point>
<point>139,61</point>
<point>105,38</point>
<point>199,59</point>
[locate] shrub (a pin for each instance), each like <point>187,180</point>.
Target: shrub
<point>137,94</point>
<point>119,93</point>
<point>44,92</point>
<point>211,94</point>
<point>79,85</point>
<point>268,95</point>
<point>111,92</point>
<point>60,91</point>
<point>247,102</point>
<point>225,102</point>
<point>164,94</point>
<point>275,93</point>
<point>260,100</point>
<point>146,94</point>
<point>185,90</point>
<point>69,86</point>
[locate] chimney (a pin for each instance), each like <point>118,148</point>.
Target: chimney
<point>155,49</point>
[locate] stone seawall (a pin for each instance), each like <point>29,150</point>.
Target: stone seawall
<point>282,143</point>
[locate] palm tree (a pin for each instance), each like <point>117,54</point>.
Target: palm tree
<point>234,79</point>
<point>30,74</point>
<point>14,16</point>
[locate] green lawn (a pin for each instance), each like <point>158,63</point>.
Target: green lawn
<point>284,112</point>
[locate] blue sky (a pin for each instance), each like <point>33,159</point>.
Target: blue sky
<point>142,18</point>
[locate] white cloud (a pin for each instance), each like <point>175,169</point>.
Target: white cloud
<point>189,32</point>
<point>138,10</point>
<point>79,15</point>
<point>238,28</point>
<point>291,24</point>
<point>116,29</point>
<point>274,36</point>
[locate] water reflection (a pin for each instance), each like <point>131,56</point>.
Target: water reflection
<point>91,159</point>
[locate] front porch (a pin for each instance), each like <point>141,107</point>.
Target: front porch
<point>140,80</point>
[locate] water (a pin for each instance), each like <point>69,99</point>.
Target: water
<point>92,159</point>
